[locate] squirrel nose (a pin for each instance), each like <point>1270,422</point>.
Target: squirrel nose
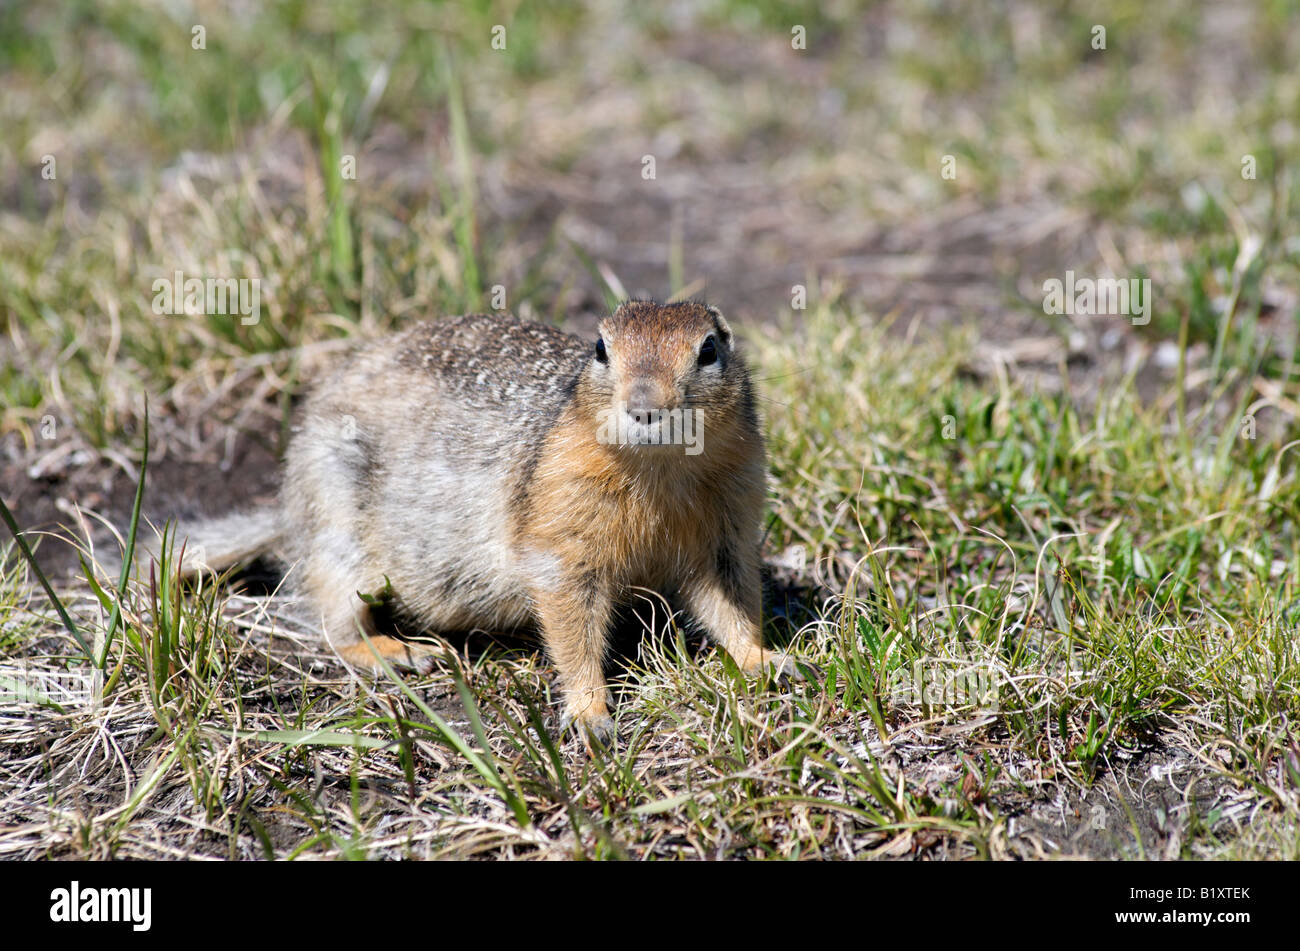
<point>643,400</point>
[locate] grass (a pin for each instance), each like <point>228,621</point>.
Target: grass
<point>1111,622</point>
<point>1054,607</point>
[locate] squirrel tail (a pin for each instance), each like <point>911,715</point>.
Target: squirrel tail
<point>216,544</point>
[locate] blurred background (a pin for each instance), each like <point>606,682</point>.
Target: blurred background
<point>918,163</point>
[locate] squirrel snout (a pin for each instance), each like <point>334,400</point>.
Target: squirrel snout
<point>645,398</point>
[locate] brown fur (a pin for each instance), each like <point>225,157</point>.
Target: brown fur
<point>465,461</point>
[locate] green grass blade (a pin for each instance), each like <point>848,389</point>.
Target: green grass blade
<point>116,617</point>
<point>40,576</point>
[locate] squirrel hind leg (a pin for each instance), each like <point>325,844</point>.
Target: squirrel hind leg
<point>364,655</point>
<point>351,631</point>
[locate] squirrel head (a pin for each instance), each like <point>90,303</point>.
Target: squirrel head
<point>664,376</point>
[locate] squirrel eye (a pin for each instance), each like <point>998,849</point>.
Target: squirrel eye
<point>601,355</point>
<point>708,352</point>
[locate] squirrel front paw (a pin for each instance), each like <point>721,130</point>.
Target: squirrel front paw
<point>594,728</point>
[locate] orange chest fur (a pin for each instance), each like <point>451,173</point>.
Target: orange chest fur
<point>617,516</point>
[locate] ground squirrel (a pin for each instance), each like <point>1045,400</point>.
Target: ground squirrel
<point>495,473</point>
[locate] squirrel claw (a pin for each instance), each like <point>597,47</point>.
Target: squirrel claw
<point>598,730</point>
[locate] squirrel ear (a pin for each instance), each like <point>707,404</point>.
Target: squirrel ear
<point>720,322</point>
